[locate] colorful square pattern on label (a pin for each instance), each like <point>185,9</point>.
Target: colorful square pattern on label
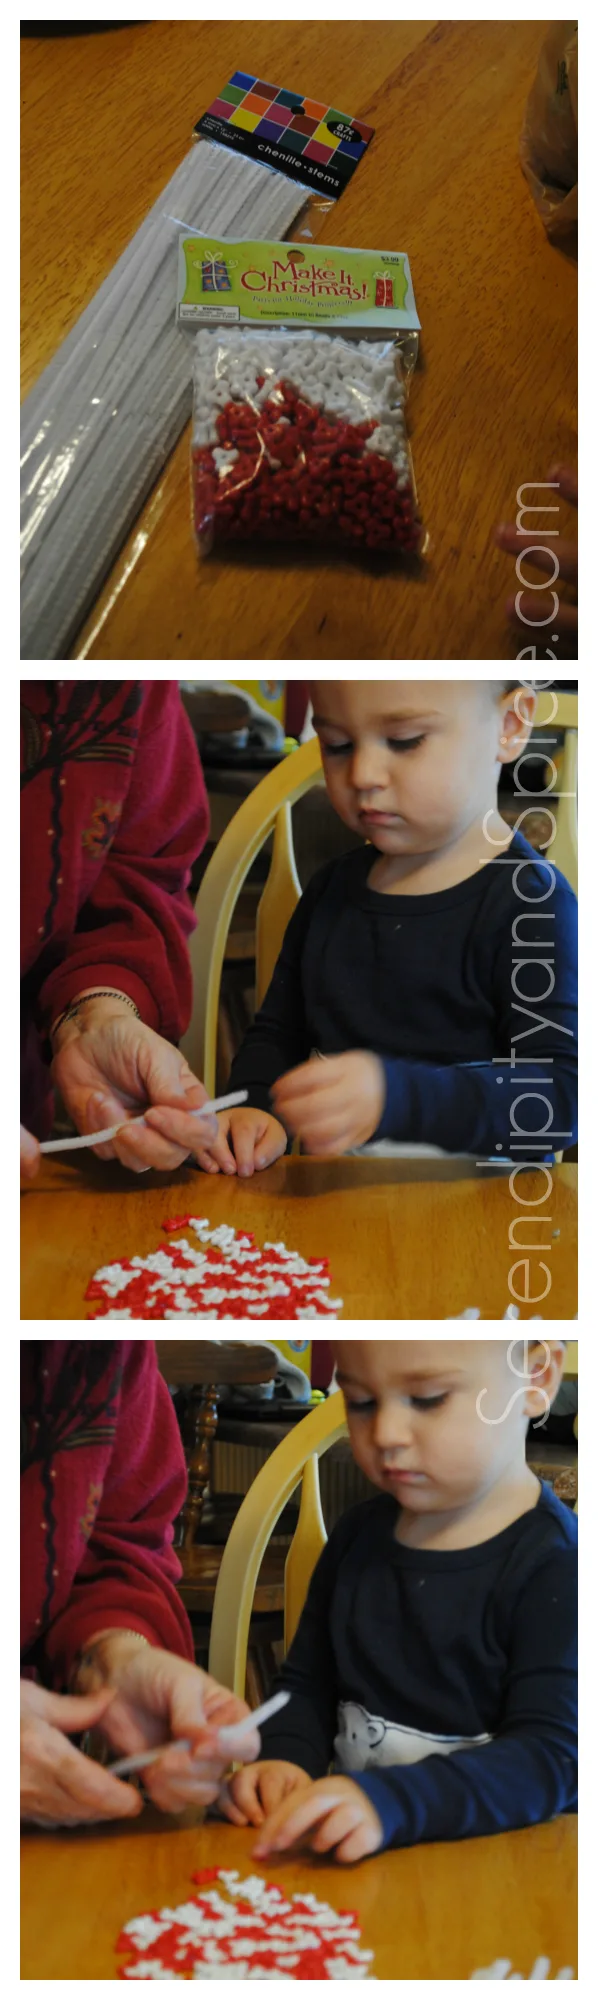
<point>267,130</point>
<point>306,125</point>
<point>220,109</point>
<point>309,137</point>
<point>324,137</point>
<point>281,113</point>
<point>315,152</point>
<point>246,121</point>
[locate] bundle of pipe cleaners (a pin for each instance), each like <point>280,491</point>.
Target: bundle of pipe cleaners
<point>101,421</point>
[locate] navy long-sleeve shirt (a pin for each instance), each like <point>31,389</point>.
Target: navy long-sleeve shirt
<point>443,1682</point>
<point>468,996</point>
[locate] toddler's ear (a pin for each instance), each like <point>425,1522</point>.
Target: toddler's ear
<point>545,1361</point>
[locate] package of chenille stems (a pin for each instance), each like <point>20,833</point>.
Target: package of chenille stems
<point>102,418</point>
<point>301,368</point>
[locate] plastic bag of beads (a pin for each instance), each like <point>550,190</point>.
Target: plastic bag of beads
<point>300,435</point>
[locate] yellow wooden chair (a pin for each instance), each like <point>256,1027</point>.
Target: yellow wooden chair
<point>266,810</point>
<point>296,1458</point>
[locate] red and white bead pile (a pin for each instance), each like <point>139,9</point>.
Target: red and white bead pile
<point>301,436</point>
<point>227,1277</point>
<point>244,1930</point>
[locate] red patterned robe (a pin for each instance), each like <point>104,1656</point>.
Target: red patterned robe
<point>102,1479</point>
<point>114,812</point>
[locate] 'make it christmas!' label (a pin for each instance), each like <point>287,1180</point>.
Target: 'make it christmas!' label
<point>289,284</point>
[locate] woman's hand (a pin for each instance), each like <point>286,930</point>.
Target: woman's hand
<point>253,1794</point>
<point>331,1815</point>
<point>59,1786</point>
<point>30,1156</point>
<point>157,1696</point>
<point>552,621</point>
<point>332,1105</point>
<point>108,1066</point>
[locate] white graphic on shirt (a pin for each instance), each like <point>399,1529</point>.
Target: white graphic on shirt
<point>368,1743</point>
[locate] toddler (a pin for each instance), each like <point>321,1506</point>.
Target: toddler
<point>434,967</point>
<point>435,1663</point>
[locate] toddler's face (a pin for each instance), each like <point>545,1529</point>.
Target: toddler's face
<point>409,764</point>
<point>416,1411</point>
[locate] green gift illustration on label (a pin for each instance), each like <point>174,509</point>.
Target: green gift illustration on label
<point>287,283</point>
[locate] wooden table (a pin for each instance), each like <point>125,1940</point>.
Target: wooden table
<point>107,118</point>
<point>404,1239</point>
<point>427,1912</point>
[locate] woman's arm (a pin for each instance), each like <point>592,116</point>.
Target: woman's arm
<point>129,1572</point>
<point>131,934</point>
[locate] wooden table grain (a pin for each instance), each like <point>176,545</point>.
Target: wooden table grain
<point>405,1239</point>
<point>437,1912</point>
<point>107,118</point>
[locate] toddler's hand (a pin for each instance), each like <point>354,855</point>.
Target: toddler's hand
<point>332,1814</point>
<point>335,1104</point>
<point>252,1794</point>
<point>247,1141</point>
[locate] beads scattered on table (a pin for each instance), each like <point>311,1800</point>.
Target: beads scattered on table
<point>301,436</point>
<point>235,1929</point>
<point>244,1930</point>
<point>502,1969</point>
<point>473,1312</point>
<point>228,1277</point>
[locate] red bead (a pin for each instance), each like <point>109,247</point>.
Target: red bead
<point>309,475</point>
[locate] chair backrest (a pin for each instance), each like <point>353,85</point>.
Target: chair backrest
<point>205,1364</point>
<point>563,848</point>
<point>267,809</point>
<point>261,1509</point>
